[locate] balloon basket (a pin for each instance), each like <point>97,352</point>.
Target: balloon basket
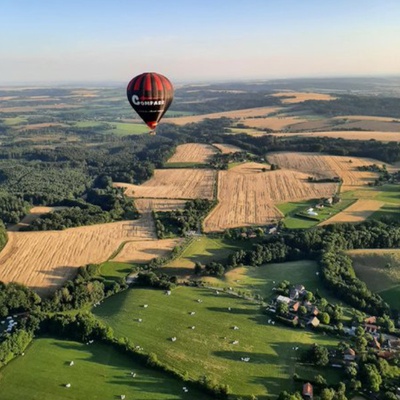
<point>152,132</point>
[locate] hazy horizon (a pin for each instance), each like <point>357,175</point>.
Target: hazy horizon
<point>101,41</point>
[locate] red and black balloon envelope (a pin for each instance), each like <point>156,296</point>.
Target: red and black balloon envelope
<point>150,94</point>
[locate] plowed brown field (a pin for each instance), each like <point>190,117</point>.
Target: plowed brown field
<point>193,152</point>
<point>45,260</point>
<point>247,195</point>
<point>321,166</point>
<point>175,184</point>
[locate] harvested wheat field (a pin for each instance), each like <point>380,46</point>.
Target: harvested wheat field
<point>350,135</point>
<point>193,152</point>
<point>275,123</point>
<point>144,251</point>
<point>181,183</point>
<point>324,166</point>
<point>227,148</point>
<point>146,205</point>
<point>368,118</point>
<point>238,114</point>
<point>370,125</point>
<point>298,97</point>
<point>45,260</point>
<point>247,195</point>
<point>357,212</point>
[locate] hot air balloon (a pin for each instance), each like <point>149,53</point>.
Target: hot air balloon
<point>150,94</point>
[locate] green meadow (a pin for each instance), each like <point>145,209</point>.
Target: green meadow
<point>380,270</point>
<point>204,249</point>
<point>209,349</point>
<point>99,373</point>
<point>114,270</point>
<point>294,221</point>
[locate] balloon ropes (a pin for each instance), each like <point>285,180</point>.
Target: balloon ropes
<point>150,94</point>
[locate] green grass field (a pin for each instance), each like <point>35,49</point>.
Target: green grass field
<point>293,221</point>
<point>120,128</point>
<point>204,249</point>
<point>115,270</point>
<point>125,129</point>
<point>391,211</point>
<point>99,372</point>
<point>15,121</point>
<point>208,349</point>
<point>261,280</point>
<point>380,270</point>
<point>388,194</point>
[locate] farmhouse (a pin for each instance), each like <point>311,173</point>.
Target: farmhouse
<point>307,391</point>
<point>370,320</point>
<point>369,328</point>
<point>283,299</point>
<point>295,306</point>
<point>349,355</point>
<point>313,322</point>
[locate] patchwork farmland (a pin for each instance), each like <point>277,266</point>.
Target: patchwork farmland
<point>349,135</point>
<point>357,212</point>
<point>325,166</point>
<point>247,195</point>
<point>193,152</point>
<point>45,260</point>
<point>240,115</point>
<point>298,97</point>
<point>144,251</point>
<point>175,184</point>
<point>147,205</point>
<point>227,148</point>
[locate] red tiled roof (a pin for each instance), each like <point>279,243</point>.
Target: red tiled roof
<point>307,389</point>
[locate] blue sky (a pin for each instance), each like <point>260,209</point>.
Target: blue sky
<point>196,40</point>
